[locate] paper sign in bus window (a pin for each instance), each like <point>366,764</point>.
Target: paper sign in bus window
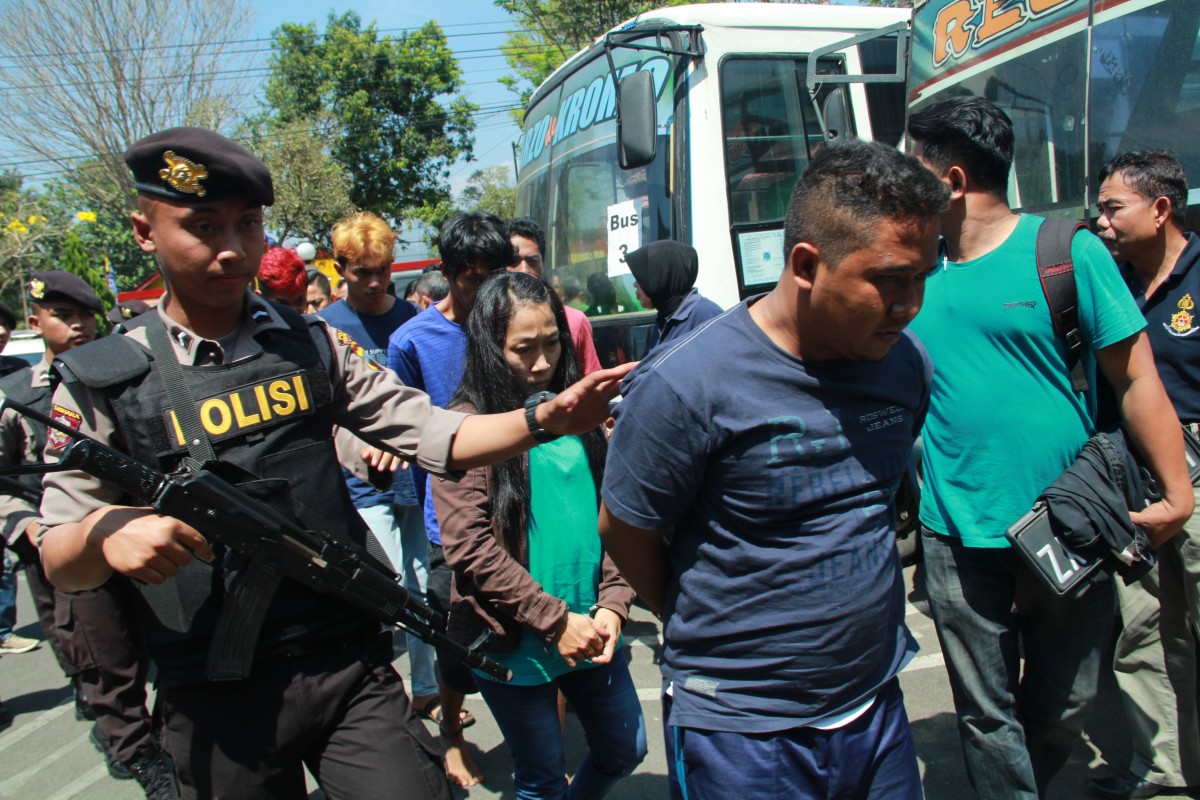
<point>624,234</point>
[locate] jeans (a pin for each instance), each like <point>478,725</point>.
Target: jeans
<point>1017,728</point>
<point>8,594</point>
<point>607,704</point>
<point>871,758</point>
<point>401,531</point>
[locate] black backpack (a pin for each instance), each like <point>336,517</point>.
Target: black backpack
<point>1056,270</point>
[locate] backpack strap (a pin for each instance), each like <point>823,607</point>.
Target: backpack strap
<point>1056,270</point>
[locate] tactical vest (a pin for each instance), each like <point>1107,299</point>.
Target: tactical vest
<point>270,415</point>
<point>19,387</point>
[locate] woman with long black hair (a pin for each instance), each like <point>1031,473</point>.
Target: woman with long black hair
<point>521,537</point>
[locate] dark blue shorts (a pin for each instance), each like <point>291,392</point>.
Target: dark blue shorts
<point>872,757</point>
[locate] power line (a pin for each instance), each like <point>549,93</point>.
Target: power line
<point>259,39</point>
<point>486,112</point>
<point>52,56</point>
<point>212,75</point>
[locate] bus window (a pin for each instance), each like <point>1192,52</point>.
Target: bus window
<point>770,129</point>
<point>885,101</point>
<point>1043,91</point>
<point>1146,86</point>
<point>587,185</point>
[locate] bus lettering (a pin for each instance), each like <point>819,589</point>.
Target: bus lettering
<point>964,24</point>
<point>585,107</point>
<point>616,221</point>
<point>997,20</point>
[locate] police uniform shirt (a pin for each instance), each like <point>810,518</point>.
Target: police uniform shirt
<point>368,400</point>
<point>1173,327</point>
<point>17,446</point>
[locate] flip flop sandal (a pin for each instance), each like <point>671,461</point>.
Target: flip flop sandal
<point>433,712</point>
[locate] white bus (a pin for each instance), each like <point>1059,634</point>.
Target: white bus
<point>736,92</point>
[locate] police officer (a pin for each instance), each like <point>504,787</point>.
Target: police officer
<point>126,310</point>
<point>91,633</point>
<point>1142,204</point>
<point>267,386</point>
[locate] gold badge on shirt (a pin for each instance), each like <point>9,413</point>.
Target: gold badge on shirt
<point>1183,321</point>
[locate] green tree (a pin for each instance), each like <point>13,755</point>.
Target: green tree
<point>104,230</point>
<point>551,31</point>
<point>26,235</point>
<point>490,189</point>
<point>397,122</point>
<point>76,259</point>
<point>311,190</point>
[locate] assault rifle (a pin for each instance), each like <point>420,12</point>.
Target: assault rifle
<point>224,513</point>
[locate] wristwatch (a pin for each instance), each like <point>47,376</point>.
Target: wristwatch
<point>539,433</point>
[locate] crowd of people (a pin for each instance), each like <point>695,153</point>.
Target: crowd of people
<point>462,425</point>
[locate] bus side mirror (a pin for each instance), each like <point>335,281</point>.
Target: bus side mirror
<point>637,139</point>
<point>835,116</point>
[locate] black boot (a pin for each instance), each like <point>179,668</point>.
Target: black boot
<point>115,768</point>
<point>156,774</point>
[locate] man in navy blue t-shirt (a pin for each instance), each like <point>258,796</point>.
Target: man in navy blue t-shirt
<point>749,499</point>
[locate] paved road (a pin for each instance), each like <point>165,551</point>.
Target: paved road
<point>45,754</point>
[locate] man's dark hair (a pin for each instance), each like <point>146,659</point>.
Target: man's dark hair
<point>467,238</point>
<point>528,229</point>
<point>489,385</point>
<point>851,187</point>
<point>970,132</point>
<point>433,284</point>
<point>1152,174</point>
<point>321,282</point>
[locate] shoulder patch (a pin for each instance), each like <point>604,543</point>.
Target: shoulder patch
<point>345,340</point>
<point>65,416</point>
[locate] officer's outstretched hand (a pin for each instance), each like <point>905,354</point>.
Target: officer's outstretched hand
<point>583,405</point>
<point>143,544</point>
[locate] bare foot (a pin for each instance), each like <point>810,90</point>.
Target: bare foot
<point>460,767</point>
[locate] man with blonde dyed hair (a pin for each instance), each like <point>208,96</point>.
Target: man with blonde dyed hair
<point>362,249</point>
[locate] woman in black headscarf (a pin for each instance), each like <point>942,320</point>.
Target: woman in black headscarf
<point>665,277</point>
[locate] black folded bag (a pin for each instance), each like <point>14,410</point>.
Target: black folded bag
<point>1081,523</point>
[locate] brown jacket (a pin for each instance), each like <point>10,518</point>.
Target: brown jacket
<point>492,588</point>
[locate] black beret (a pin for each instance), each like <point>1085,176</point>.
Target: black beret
<point>54,284</point>
<point>123,312</point>
<point>7,315</point>
<point>194,165</point>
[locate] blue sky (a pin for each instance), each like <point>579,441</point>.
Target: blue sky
<point>475,30</point>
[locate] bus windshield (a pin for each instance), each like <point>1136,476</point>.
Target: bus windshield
<point>569,175</point>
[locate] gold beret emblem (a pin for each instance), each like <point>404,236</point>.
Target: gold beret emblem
<point>37,289</point>
<point>183,175</point>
